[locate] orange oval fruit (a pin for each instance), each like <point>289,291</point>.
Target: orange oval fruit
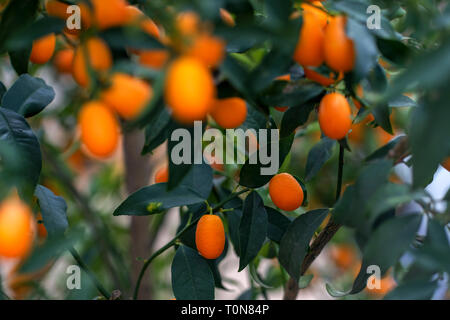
<point>309,50</point>
<point>229,113</point>
<point>162,174</point>
<point>155,59</point>
<point>285,191</point>
<point>189,90</point>
<point>335,116</point>
<point>43,48</point>
<point>210,236</point>
<point>100,59</point>
<point>188,23</point>
<point>16,228</point>
<point>63,60</point>
<point>208,49</point>
<point>127,95</point>
<point>99,129</point>
<point>109,13</point>
<point>339,49</point>
<point>321,79</point>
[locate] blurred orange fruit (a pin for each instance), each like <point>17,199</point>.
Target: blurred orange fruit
<point>229,113</point>
<point>109,13</point>
<point>339,51</point>
<point>344,256</point>
<point>16,227</point>
<point>99,129</point>
<point>99,57</point>
<point>134,15</point>
<point>43,48</point>
<point>188,23</point>
<point>189,90</point>
<point>127,95</point>
<point>155,59</point>
<point>63,60</point>
<point>208,49</point>
<point>41,230</point>
<point>309,50</point>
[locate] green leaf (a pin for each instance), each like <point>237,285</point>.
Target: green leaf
<point>50,250</point>
<point>256,277</point>
<point>53,210</point>
<point>119,38</point>
<point>252,229</point>
<point>304,281</point>
<point>16,15</point>
<point>251,175</point>
<point>395,51</point>
<point>402,101</point>
<point>295,242</point>
<point>15,130</point>
<point>20,60</point>
<point>422,289</point>
<point>295,117</point>
<point>192,278</point>
<point>381,113</point>
<point>428,135</point>
<point>397,235</point>
<point>365,49</point>
<point>423,71</point>
<point>350,209</point>
<point>294,94</point>
<point>435,252</point>
<point>384,150</point>
<point>278,224</point>
<point>177,172</point>
<point>194,188</point>
<point>317,157</point>
<point>28,96</point>
<point>157,131</point>
<point>24,37</point>
<point>357,10</point>
<point>234,219</point>
<point>2,90</point>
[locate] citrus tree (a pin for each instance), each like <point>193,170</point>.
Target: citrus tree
<point>356,90</point>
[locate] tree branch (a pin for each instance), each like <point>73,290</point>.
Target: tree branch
<point>291,289</point>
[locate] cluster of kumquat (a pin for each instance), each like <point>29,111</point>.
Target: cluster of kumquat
<point>198,53</point>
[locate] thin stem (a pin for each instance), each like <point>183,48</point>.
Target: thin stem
<point>174,240</point>
<point>340,172</point>
<point>85,268</point>
<point>159,252</point>
<point>291,290</point>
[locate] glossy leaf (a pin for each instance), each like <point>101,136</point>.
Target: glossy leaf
<point>53,210</point>
<point>317,157</point>
<point>252,229</point>
<point>192,278</point>
<point>295,242</point>
<point>28,96</point>
<point>194,188</point>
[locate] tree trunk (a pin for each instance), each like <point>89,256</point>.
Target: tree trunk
<point>138,170</point>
